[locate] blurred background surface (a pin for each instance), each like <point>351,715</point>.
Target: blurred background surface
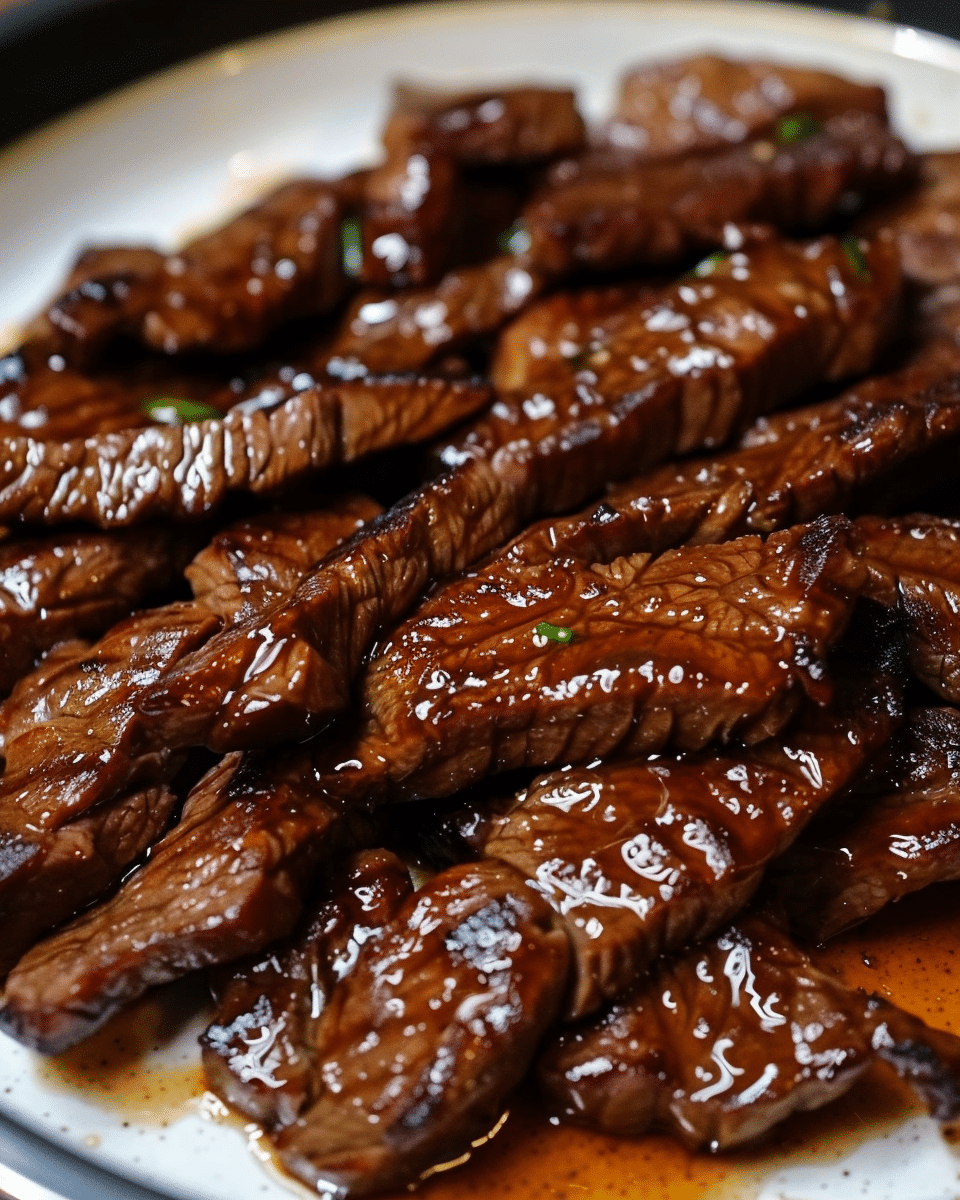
<point>56,54</point>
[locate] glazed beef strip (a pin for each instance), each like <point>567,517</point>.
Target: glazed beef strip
<point>259,1054</point>
<point>54,589</point>
<point>603,213</point>
<point>770,323</point>
<point>411,330</point>
<point>730,1038</point>
<point>878,441</point>
<point>641,858</point>
<point>915,563</point>
<point>429,1033</point>
<point>273,440</point>
<point>222,292</point>
<point>700,645</point>
<point>228,879</point>
<point>78,785</point>
<point>895,832</point>
<point>703,103</point>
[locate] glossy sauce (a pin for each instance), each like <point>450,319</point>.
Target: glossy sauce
<point>909,953</point>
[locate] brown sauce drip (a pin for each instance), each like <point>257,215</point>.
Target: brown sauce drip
<point>909,953</point>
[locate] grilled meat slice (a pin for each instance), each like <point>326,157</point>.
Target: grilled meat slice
<point>878,440</point>
<point>895,832</point>
<point>248,565</point>
<point>223,291</point>
<point>56,588</point>
<point>688,367</point>
<point>227,880</point>
<point>915,563</point>
<point>288,670</point>
<point>672,108</point>
<point>429,1033</point>
<point>259,1054</point>
<point>506,125</point>
<point>701,645</point>
<point>926,222</point>
<point>261,446</point>
<point>642,858</point>
<point>409,331</point>
<point>604,212</point>
<point>721,1044</point>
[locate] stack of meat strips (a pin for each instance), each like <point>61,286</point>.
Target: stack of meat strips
<point>536,761</point>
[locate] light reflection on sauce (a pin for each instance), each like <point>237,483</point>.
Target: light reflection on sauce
<point>910,954</point>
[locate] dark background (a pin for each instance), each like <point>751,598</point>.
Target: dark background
<point>56,54</point>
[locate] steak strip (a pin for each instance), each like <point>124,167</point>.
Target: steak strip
<point>733,1036</point>
<point>764,337</point>
<point>260,447</point>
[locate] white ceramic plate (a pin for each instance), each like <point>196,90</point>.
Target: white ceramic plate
<point>168,155</point>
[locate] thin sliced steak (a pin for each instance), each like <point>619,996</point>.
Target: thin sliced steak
<point>56,588</point>
<point>642,858</point>
<point>732,1037</point>
<point>259,1054</point>
<point>226,881</point>
<point>604,212</point>
<point>702,645</point>
<point>503,125</point>
<point>687,367</point>
<point>429,1033</point>
<point>915,563</point>
<point>671,108</point>
<point>261,446</point>
<point>897,831</point>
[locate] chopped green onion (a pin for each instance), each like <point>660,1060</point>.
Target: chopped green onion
<point>352,242</point>
<point>796,128</point>
<point>515,240</point>
<point>171,410</point>
<point>851,248</point>
<point>557,633</point>
<point>705,267</point>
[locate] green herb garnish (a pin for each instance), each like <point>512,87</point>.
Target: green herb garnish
<point>351,240</point>
<point>706,266</point>
<point>515,240</point>
<point>796,128</point>
<point>172,410</point>
<point>854,253</point>
<point>557,633</point>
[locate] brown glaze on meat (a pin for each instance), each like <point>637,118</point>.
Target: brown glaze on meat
<point>76,586</point>
<point>642,858</point>
<point>227,880</point>
<point>249,564</point>
<point>420,1045</point>
<point>873,443</point>
<point>700,645</point>
<point>926,223</point>
<point>259,1054</point>
<point>265,444</point>
<point>288,670</point>
<point>897,831</point>
<point>672,108</point>
<point>505,125</point>
<point>411,330</point>
<point>687,368</point>
<point>604,213</point>
<point>736,1034</point>
<point>915,563</point>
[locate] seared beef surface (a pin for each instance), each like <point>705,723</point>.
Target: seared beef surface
<point>895,832</point>
<point>706,102</point>
<point>728,1039</point>
<point>641,858</point>
<point>56,588</point>
<point>263,445</point>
